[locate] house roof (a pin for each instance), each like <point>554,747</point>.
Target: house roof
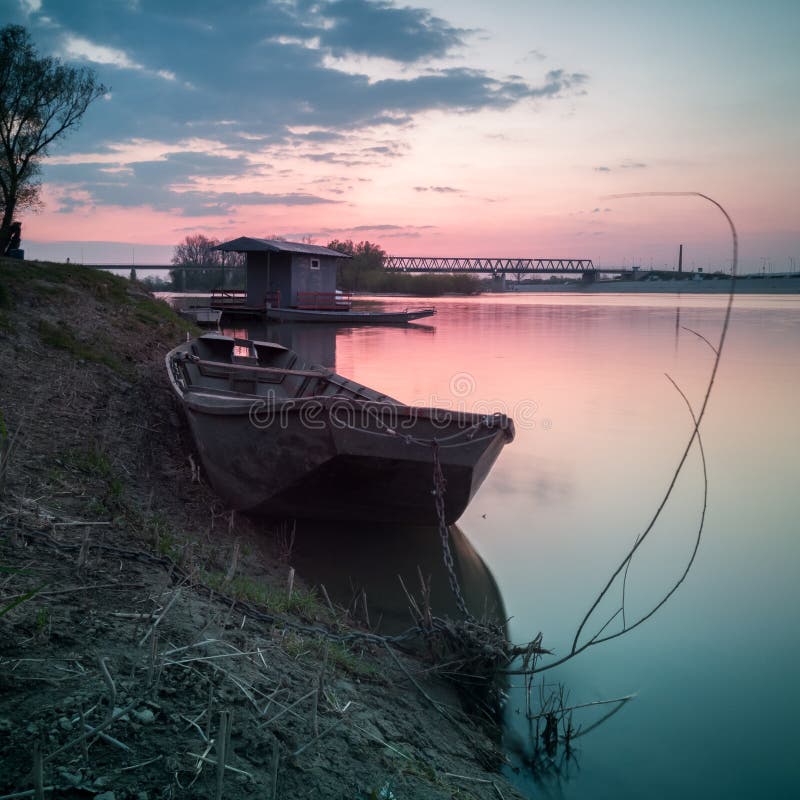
<point>247,244</point>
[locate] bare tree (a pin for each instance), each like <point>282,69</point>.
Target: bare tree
<point>196,251</point>
<point>200,267</point>
<point>41,99</point>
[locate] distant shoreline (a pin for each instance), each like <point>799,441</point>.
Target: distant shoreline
<point>744,285</point>
<point>720,286</point>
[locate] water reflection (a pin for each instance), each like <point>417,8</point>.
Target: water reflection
<point>314,342</point>
<point>353,560</point>
<point>566,499</point>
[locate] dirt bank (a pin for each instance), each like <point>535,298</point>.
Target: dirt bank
<point>118,570</point>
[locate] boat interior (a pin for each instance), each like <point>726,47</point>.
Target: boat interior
<point>215,364</point>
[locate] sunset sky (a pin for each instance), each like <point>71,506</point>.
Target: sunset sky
<point>448,127</point>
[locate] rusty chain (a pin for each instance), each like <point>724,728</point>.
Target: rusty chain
<point>439,488</point>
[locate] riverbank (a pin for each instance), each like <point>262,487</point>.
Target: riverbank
<point>140,610</point>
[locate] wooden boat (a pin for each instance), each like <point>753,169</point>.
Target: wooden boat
<point>202,315</point>
<point>348,317</point>
<point>285,439</point>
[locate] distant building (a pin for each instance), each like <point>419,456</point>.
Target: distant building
<point>286,274</point>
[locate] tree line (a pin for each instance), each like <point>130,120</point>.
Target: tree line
<point>365,272</point>
<point>199,267</point>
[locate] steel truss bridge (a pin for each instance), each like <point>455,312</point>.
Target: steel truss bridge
<point>494,266</point>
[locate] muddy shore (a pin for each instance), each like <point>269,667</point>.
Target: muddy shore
<point>148,633</point>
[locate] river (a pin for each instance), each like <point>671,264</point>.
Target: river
<point>600,431</point>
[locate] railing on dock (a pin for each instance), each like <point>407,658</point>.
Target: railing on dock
<point>227,297</point>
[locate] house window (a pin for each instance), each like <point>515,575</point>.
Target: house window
<point>314,263</point>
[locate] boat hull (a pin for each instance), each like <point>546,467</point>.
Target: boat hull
<point>280,438</point>
<point>309,460</point>
<point>347,317</point>
<point>202,316</point>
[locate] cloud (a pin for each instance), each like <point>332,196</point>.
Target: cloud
<point>31,6</point>
<point>205,227</point>
<point>390,227</point>
<point>259,82</point>
<point>357,156</point>
<point>201,203</point>
<point>189,165</point>
<point>385,229</point>
<point>627,164</point>
<point>76,202</point>
<point>76,47</point>
<point>211,65</point>
<point>376,228</point>
<point>439,189</point>
<point>380,29</point>
<point>167,184</point>
<point>465,89</point>
<point>382,150</point>
<point>558,80</point>
<point>404,235</point>
<point>173,168</point>
<point>318,136</point>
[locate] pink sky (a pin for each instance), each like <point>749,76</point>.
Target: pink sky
<point>480,135</point>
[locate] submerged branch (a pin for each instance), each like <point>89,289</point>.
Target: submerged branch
<point>700,336</point>
<point>590,704</point>
<point>623,566</point>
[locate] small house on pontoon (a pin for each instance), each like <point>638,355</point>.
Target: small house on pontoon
<point>288,274</point>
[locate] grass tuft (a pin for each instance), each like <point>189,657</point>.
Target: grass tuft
<point>275,599</point>
<point>154,312</point>
<point>103,285</point>
<point>5,302</point>
<point>340,654</point>
<point>160,531</point>
<point>90,461</point>
<point>5,452</point>
<point>62,337</point>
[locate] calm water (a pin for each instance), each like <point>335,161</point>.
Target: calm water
<point>599,433</point>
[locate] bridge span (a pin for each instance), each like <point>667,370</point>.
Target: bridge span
<point>494,266</point>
